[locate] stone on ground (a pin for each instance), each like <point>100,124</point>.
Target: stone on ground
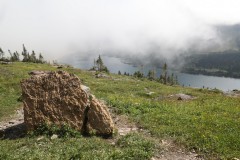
<point>59,98</point>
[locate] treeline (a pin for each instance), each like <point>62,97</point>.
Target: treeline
<point>164,78</point>
<point>27,57</point>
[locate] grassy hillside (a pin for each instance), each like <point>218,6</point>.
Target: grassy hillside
<point>209,124</point>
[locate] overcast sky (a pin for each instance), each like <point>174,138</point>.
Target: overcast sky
<point>61,27</point>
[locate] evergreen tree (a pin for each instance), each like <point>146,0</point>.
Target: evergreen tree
<point>138,74</point>
<point>99,63</point>
<point>165,78</point>
<point>11,56</point>
<point>25,54</point>
<point>165,73</point>
<point>16,56</point>
<point>161,79</point>
<point>105,69</point>
<point>142,68</point>
<point>28,57</point>
<point>150,75</point>
<point>40,58</point>
<point>119,73</point>
<point>1,53</point>
<point>172,81</point>
<point>33,57</point>
<point>176,79</point>
<point>168,79</point>
<point>94,65</point>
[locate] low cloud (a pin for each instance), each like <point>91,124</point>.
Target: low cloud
<point>150,31</point>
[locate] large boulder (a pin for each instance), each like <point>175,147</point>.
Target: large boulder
<point>59,98</point>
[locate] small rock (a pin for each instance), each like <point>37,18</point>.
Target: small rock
<point>40,138</point>
<point>182,96</point>
<point>150,93</point>
<point>101,75</point>
<point>113,143</point>
<point>86,89</point>
<point>54,136</point>
<point>179,98</point>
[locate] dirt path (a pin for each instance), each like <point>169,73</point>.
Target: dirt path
<point>167,150</point>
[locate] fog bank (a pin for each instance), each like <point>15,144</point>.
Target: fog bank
<point>149,30</point>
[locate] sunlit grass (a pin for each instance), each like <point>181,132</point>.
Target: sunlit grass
<point>208,124</point>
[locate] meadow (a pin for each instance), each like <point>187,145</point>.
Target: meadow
<point>207,124</point>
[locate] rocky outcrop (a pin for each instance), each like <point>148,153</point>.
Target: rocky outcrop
<point>59,98</point>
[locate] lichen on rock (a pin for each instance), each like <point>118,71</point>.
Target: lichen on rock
<point>59,98</point>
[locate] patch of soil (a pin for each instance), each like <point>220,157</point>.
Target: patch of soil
<point>171,151</point>
<point>233,93</point>
<point>179,96</point>
<point>123,125</point>
<point>166,149</point>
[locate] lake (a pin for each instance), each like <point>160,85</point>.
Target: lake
<point>116,64</point>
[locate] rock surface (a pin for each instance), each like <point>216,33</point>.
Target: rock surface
<point>182,96</point>
<point>59,98</point>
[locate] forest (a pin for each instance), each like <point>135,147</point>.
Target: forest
<point>217,64</point>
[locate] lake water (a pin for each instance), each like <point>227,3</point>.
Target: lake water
<point>115,64</point>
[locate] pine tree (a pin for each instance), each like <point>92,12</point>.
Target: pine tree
<point>150,75</point>
<point>161,79</point>
<point>172,81</point>
<point>94,65</point>
<point>16,56</point>
<point>138,74</point>
<point>119,73</point>
<point>176,79</point>
<point>11,56</point>
<point>1,53</point>
<point>33,57</point>
<point>25,54</point>
<point>40,58</point>
<point>99,63</point>
<point>168,79</point>
<point>165,73</point>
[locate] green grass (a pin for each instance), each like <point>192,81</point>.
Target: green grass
<point>132,146</point>
<point>10,77</point>
<point>209,124</point>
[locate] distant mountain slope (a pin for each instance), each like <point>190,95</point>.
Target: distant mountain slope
<point>219,64</point>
